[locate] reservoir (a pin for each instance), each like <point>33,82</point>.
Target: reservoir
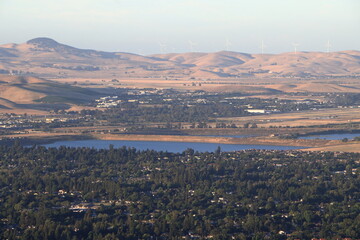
<point>165,146</point>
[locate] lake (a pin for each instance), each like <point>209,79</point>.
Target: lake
<point>164,146</point>
<point>338,136</point>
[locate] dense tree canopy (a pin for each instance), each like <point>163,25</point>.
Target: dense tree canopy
<point>83,193</point>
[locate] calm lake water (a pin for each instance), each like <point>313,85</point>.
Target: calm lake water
<point>333,136</point>
<point>164,146</point>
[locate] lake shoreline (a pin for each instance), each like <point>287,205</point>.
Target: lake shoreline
<point>46,138</point>
<point>220,140</point>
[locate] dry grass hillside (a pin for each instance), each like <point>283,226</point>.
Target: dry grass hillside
<point>36,93</point>
<point>47,58</point>
<point>286,64</point>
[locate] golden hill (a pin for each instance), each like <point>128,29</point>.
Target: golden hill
<point>36,93</point>
<point>47,58</point>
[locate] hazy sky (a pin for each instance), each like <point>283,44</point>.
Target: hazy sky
<point>141,26</point>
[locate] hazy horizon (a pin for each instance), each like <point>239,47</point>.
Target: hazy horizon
<point>146,27</point>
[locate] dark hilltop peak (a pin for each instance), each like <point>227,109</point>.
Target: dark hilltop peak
<point>50,45</point>
<point>43,42</point>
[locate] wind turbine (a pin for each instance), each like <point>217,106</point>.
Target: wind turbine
<point>192,44</point>
<point>163,47</point>
<point>262,46</point>
<point>140,52</point>
<point>295,47</point>
<point>227,44</point>
<point>328,46</point>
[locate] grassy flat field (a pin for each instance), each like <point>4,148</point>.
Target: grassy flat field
<point>304,118</point>
<point>22,111</point>
<point>175,138</point>
<point>249,85</point>
<point>349,147</point>
<point>222,140</point>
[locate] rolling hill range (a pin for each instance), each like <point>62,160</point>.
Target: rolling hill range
<point>47,58</point>
<point>18,92</point>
